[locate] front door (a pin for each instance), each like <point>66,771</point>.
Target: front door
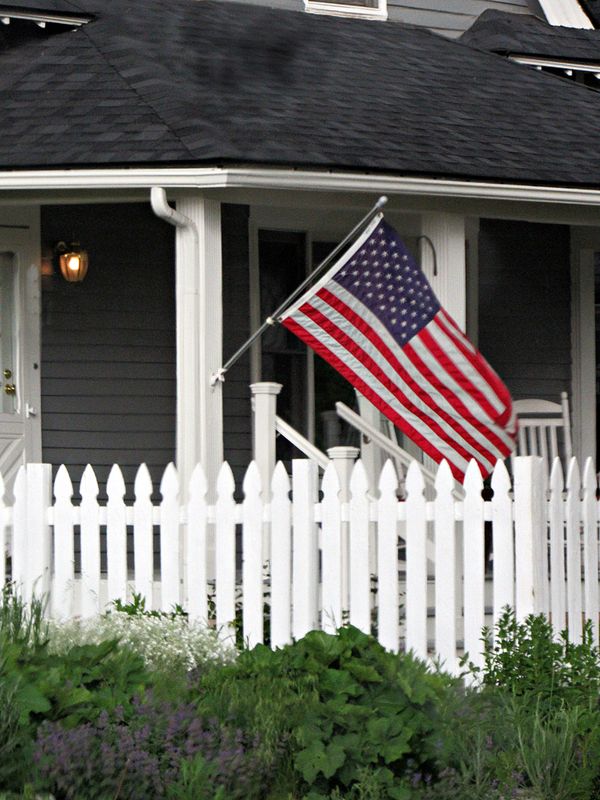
<point>19,346</point>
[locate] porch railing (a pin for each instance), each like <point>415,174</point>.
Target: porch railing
<point>341,556</point>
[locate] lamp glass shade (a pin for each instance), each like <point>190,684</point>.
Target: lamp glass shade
<point>74,264</point>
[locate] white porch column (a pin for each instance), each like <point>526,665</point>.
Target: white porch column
<point>199,339</point>
<point>447,234</point>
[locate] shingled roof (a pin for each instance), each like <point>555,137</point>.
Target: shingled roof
<point>518,34</point>
<point>191,82</point>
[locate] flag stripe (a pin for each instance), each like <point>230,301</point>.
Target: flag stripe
<point>351,352</point>
<point>450,390</point>
<point>419,393</point>
<point>458,466</point>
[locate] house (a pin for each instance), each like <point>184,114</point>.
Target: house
<point>271,131</point>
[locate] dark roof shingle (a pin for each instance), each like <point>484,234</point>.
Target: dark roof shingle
<point>206,82</point>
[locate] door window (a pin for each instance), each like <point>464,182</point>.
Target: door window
<point>8,398</point>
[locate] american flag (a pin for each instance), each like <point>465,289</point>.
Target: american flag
<point>374,317</point>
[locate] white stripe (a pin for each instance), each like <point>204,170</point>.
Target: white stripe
<point>359,369</point>
<point>447,345</point>
<point>468,401</point>
<point>442,403</point>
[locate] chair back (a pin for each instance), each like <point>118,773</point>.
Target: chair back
<point>544,429</point>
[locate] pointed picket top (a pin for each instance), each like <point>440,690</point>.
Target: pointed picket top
<point>330,484</point>
<point>252,483</point>
<point>88,486</point>
<point>444,480</point>
<point>590,483</point>
<point>225,481</point>
<point>63,486</point>
<point>557,478</point>
<point>415,482</point>
<point>473,479</point>
<point>280,483</point>
<point>359,482</point>
<point>115,485</point>
<point>142,486</point>
<point>198,483</point>
<point>169,485</point>
<point>501,478</point>
<point>388,479</point>
<point>573,476</point>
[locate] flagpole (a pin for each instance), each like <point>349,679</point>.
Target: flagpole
<point>219,375</point>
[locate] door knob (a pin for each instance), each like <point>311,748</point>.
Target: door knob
<point>7,373</point>
<point>9,388</point>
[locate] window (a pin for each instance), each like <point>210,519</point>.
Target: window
<point>367,9</point>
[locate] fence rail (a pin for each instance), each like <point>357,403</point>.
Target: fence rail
<point>412,571</point>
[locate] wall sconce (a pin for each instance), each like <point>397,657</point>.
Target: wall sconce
<point>72,260</point>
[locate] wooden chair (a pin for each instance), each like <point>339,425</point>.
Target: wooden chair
<point>544,430</point>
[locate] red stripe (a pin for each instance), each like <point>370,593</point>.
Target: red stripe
<point>369,363</point>
<point>478,362</point>
<point>360,324</point>
<point>319,347</point>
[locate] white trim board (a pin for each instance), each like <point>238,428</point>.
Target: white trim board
<point>565,12</point>
<point>272,178</point>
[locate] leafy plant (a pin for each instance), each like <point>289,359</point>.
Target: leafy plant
<point>341,705</point>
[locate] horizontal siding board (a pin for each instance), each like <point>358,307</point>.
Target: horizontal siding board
<point>145,389</point>
<point>131,441</point>
<point>107,423</point>
<point>60,405</point>
<point>68,370</point>
<point>102,352</point>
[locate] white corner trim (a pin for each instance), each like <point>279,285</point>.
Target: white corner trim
<point>565,12</point>
<point>290,179</point>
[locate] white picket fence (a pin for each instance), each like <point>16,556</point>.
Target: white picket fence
<point>412,571</point>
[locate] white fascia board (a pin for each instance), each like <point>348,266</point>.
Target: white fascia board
<point>565,12</point>
<point>300,180</point>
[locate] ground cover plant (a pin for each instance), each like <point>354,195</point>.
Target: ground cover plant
<point>143,704</point>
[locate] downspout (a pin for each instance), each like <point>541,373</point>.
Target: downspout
<point>188,436</point>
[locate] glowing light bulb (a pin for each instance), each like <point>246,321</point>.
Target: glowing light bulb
<point>73,262</point>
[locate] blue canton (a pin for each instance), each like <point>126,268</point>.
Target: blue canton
<point>385,278</point>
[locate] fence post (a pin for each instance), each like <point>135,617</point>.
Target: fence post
<point>530,535</point>
<point>264,399</point>
<point>344,459</point>
<point>39,553</point>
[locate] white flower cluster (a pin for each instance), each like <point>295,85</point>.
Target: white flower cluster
<point>163,643</point>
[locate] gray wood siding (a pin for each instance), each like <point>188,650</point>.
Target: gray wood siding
<point>108,344</point>
<point>236,329</point>
<point>452,17</point>
<point>524,306</point>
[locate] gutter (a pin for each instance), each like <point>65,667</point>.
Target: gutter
<point>299,180</point>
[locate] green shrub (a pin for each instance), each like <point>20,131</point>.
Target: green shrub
<point>343,709</point>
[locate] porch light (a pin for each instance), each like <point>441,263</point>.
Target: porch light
<point>72,260</point>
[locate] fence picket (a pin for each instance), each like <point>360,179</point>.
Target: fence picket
<point>590,545</point>
<point>170,540</point>
<point>360,578</point>
<point>64,550</point>
<point>388,611</point>
<point>281,562</point>
<point>225,553</point>
<point>445,568</point>
<point>252,557</point>
<point>19,539</point>
<point>474,563</point>
<point>416,562</point>
<point>196,549</point>
<point>331,550</point>
<point>574,599</point>
<point>90,544</point>
<point>305,560</point>
<point>503,541</point>
<point>557,547</point>
<point>143,549</point>
<point>116,536</point>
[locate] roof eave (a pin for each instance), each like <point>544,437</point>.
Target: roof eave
<point>241,177</point>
